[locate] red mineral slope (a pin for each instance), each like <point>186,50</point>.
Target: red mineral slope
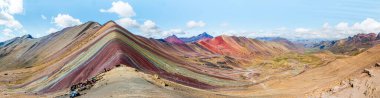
<point>112,45</point>
<point>241,46</point>
<point>116,53</point>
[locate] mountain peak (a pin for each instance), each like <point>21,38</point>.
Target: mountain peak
<point>205,34</point>
<point>362,37</point>
<point>201,36</point>
<point>27,36</point>
<point>174,40</point>
<point>110,23</point>
<point>172,36</point>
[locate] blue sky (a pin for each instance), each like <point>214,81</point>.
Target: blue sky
<point>330,19</point>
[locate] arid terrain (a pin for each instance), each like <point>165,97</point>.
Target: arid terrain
<point>106,60</point>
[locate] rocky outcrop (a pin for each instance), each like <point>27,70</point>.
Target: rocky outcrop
<point>351,45</point>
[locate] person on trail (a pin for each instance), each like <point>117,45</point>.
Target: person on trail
<point>74,93</point>
<point>93,79</point>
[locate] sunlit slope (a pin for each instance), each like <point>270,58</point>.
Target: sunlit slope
<point>315,80</point>
<point>27,51</point>
<point>115,46</point>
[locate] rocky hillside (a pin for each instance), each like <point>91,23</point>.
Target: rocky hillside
<point>351,45</point>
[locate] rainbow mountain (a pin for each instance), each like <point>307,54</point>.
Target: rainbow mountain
<point>59,60</point>
<point>128,65</point>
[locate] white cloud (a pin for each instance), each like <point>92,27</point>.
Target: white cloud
<point>51,30</point>
<point>149,28</point>
<point>368,25</point>
<point>12,6</point>
<point>43,17</point>
<point>127,22</point>
<point>338,31</point>
<point>65,20</point>
<point>9,21</point>
<point>62,21</point>
<point>8,32</point>
<point>172,32</point>
<point>193,24</point>
<point>301,30</point>
<point>8,8</point>
<point>342,26</point>
<point>123,9</point>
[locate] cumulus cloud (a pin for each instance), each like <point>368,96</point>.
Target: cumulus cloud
<point>126,13</point>
<point>326,31</point>
<point>301,30</point>
<point>127,22</point>
<point>8,32</point>
<point>65,20</point>
<point>62,21</point>
<point>123,9</point>
<point>368,25</point>
<point>9,21</point>
<point>172,32</point>
<point>193,24</point>
<point>344,29</point>
<point>149,28</point>
<point>342,26</point>
<point>8,8</point>
<point>12,6</point>
<point>51,30</point>
<point>340,30</point>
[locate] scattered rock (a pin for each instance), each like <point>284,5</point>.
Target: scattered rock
<point>156,76</point>
<point>377,65</point>
<point>368,72</point>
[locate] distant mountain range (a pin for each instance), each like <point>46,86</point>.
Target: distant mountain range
<point>176,40</point>
<point>351,45</point>
<point>202,36</point>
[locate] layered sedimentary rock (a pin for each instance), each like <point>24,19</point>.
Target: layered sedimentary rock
<point>78,53</point>
<point>27,51</point>
<point>223,66</point>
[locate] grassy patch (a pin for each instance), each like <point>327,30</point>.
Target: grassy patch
<point>290,60</point>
